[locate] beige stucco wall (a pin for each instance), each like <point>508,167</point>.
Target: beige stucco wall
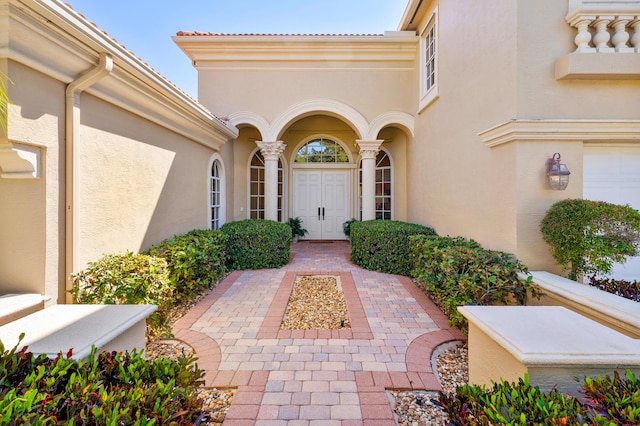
<point>139,183</point>
<point>31,213</point>
<point>465,188</point>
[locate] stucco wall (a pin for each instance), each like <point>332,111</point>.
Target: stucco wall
<point>458,185</point>
<point>31,213</point>
<point>139,183</point>
<point>544,37</point>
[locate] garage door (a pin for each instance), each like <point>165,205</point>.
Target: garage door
<point>612,174</point>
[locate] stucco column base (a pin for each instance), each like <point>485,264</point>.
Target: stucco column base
<point>368,152</point>
<point>271,152</point>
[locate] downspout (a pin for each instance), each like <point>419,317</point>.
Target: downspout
<point>72,129</point>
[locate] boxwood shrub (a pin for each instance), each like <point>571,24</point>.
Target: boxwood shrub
<point>108,388</point>
<point>383,245</point>
<point>457,272</point>
<point>196,260</point>
<point>257,244</point>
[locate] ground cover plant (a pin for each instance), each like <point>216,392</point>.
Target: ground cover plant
<point>257,244</point>
<point>456,272</point>
<point>608,401</point>
<point>383,245</point>
<point>588,237</point>
<point>627,289</point>
<point>108,388</point>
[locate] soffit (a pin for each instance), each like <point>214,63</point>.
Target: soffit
<point>208,48</point>
<point>52,38</point>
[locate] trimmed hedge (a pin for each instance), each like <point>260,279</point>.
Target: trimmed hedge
<point>196,260</point>
<point>257,244</point>
<point>109,388</point>
<point>458,272</point>
<point>383,245</point>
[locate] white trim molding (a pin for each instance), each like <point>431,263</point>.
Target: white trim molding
<point>392,118</point>
<point>19,161</point>
<point>561,130</point>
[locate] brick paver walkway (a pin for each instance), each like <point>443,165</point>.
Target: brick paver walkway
<point>315,377</point>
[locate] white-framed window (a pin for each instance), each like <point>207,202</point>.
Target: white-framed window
<point>256,187</point>
<point>215,198</point>
<point>429,61</point>
<point>216,193</point>
<point>384,186</point>
<point>321,150</point>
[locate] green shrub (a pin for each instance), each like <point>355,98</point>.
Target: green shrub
<point>458,272</point>
<point>512,404</point>
<point>383,245</point>
<point>590,236</point>
<point>609,402</point>
<point>127,278</point>
<point>346,227</point>
<point>107,388</point>
<point>196,260</point>
<point>257,244</point>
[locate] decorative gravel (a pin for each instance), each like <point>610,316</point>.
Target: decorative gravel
<point>421,408</point>
<point>316,303</point>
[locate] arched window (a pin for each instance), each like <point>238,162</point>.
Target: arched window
<point>256,182</point>
<point>215,197</point>
<point>384,193</point>
<point>322,151</point>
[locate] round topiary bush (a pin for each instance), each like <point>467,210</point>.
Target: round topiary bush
<point>257,244</point>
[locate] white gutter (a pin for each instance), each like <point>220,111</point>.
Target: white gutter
<point>72,125</point>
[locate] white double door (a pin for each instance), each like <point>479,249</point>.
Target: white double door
<point>322,199</point>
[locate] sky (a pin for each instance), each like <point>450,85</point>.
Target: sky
<point>145,27</point>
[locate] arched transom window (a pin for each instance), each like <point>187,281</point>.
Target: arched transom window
<point>256,209</point>
<point>322,151</point>
<point>384,196</point>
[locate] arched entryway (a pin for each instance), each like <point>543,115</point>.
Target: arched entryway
<point>322,175</point>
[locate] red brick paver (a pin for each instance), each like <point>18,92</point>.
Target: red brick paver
<point>308,377</point>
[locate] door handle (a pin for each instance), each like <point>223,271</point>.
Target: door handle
<point>323,213</point>
<point>318,213</point>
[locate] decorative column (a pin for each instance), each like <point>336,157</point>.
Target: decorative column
<point>368,152</point>
<point>271,153</point>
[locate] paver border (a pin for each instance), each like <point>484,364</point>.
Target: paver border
<point>360,328</point>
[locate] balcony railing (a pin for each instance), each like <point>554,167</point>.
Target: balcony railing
<point>606,26</point>
<point>607,41</point>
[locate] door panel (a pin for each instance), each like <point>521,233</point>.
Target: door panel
<point>328,191</point>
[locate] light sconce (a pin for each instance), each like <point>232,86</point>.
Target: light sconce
<point>557,173</point>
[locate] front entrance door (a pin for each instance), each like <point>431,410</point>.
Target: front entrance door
<point>321,198</point>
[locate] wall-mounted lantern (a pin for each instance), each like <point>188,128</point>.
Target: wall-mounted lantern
<point>557,173</point>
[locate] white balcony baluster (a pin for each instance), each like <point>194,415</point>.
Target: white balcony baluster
<point>635,38</point>
<point>602,36</point>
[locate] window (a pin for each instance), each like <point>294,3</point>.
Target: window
<point>383,186</point>
<point>429,62</point>
<point>256,182</point>
<point>215,198</point>
<point>429,72</point>
<point>322,151</point>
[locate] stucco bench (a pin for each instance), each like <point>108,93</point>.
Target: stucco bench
<point>554,345</point>
<point>14,306</point>
<point>78,327</point>
<point>608,309</point>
